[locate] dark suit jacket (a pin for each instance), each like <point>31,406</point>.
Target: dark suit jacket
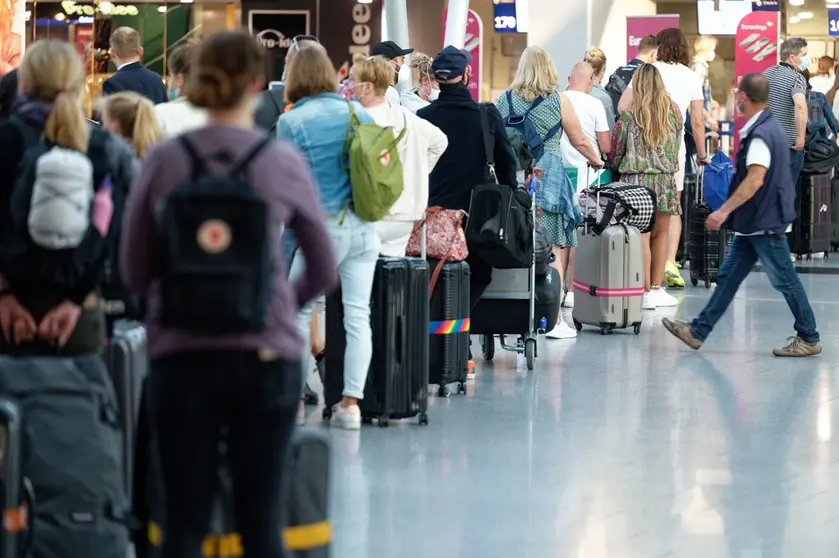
<point>135,77</point>
<point>463,165</point>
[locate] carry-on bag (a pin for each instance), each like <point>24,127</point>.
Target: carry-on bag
<point>812,230</point>
<point>834,210</point>
<point>706,248</point>
<point>448,345</point>
<point>128,363</point>
<point>74,455</point>
<point>503,308</point>
<point>500,224</point>
<point>609,279</point>
<point>16,535</point>
<point>618,203</point>
<point>397,382</point>
<point>307,532</point>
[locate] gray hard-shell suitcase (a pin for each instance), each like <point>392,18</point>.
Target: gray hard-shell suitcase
<point>128,363</point>
<point>17,494</point>
<point>609,279</point>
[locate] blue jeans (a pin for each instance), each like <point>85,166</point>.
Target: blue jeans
<point>356,245</point>
<point>796,163</point>
<point>773,252</point>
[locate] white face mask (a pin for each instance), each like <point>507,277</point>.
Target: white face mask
<point>405,80</point>
<point>434,95</point>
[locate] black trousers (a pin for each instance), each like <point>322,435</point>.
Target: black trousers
<point>192,397</point>
<point>479,279</point>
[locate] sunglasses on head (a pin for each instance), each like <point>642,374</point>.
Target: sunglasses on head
<point>295,41</point>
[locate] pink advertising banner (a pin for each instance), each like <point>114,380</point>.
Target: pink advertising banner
<point>756,48</point>
<point>473,43</point>
<point>638,27</point>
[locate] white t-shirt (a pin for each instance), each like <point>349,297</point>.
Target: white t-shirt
<point>683,85</point>
<point>393,96</point>
<point>822,84</point>
<point>758,154</point>
<point>592,117</point>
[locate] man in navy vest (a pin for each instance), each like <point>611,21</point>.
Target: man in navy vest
<point>760,209</point>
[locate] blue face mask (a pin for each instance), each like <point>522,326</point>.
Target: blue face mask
<point>173,93</point>
<point>805,63</point>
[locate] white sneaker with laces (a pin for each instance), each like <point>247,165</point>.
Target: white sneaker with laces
<point>648,302</point>
<point>569,300</point>
<point>348,418</point>
<point>562,331</point>
<point>662,299</point>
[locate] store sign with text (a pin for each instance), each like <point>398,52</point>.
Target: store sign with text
<point>107,8</point>
<point>638,27</point>
<point>755,50</point>
<point>473,43</point>
<point>275,30</point>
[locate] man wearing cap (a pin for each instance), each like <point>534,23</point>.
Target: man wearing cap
<point>402,73</point>
<point>463,165</point>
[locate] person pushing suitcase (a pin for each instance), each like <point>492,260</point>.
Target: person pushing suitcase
<point>760,209</point>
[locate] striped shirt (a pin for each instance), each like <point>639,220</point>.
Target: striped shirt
<point>784,83</point>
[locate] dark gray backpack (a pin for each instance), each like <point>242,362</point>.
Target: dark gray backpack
<point>72,454</point>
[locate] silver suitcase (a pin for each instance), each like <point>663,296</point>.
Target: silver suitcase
<point>609,279</point>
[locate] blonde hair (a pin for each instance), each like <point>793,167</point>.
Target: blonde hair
<point>52,71</point>
<point>652,105</point>
<point>597,59</point>
<point>422,64</point>
<point>135,118</point>
<point>375,70</point>
<point>536,75</point>
<point>311,74</point>
<point>126,42</point>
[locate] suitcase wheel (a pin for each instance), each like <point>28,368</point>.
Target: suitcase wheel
<point>578,325</point>
<point>637,329</point>
<point>461,388</point>
<point>444,391</point>
<point>530,353</point>
<point>606,330</point>
<point>707,282</point>
<point>694,280</point>
<point>488,346</point>
<point>423,419</point>
<point>384,421</point>
<point>327,413</point>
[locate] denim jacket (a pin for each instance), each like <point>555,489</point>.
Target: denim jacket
<point>317,125</point>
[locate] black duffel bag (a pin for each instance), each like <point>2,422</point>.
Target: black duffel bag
<point>500,225</point>
<point>822,155</point>
<point>544,254</point>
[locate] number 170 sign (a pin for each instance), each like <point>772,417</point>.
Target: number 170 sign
<point>833,22</point>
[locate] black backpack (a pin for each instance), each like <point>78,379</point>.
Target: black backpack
<point>216,264</point>
<point>619,82</point>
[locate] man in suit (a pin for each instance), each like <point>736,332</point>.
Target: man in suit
<point>464,164</point>
<point>126,52</point>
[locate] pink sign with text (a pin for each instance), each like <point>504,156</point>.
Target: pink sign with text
<point>756,48</point>
<point>638,27</point>
<point>473,44</point>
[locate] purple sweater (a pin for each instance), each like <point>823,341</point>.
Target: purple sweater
<point>283,179</point>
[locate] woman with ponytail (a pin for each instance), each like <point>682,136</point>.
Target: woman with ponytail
<point>131,116</point>
<point>48,294</point>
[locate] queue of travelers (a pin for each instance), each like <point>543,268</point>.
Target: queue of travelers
<point>215,127</point>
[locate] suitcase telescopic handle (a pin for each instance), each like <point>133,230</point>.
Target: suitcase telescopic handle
<point>700,180</point>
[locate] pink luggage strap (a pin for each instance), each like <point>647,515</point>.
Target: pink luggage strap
<point>607,293</point>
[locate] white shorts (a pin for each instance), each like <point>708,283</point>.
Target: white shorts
<point>394,236</point>
<point>680,174</point>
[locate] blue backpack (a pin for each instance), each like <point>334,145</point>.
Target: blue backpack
<point>717,179</point>
<point>520,125</point>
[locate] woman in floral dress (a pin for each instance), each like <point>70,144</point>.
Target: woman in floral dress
<point>645,151</point>
<point>535,89</point>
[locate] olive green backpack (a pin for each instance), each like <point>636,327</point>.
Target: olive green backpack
<point>374,167</point>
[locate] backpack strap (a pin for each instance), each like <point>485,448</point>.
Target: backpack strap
<point>489,143</point>
<point>509,95</point>
<point>552,132</point>
<point>195,159</point>
<point>538,101</point>
<point>242,166</point>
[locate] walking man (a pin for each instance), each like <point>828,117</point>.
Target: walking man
<point>760,209</point>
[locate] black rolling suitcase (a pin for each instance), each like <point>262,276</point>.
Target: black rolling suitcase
<point>128,364</point>
<point>15,489</point>
<point>834,211</point>
<point>504,307</point>
<point>706,248</point>
<point>812,231</point>
<point>397,383</point>
<point>448,346</point>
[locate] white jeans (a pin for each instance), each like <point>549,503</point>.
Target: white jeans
<point>394,236</point>
<point>356,246</point>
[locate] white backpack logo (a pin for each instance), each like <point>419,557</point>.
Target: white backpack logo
<point>62,195</point>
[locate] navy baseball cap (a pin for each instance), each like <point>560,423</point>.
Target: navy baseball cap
<point>450,63</point>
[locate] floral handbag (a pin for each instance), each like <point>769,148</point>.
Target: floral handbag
<point>444,239</point>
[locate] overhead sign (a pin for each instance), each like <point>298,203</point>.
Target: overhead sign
<point>833,22</point>
<point>275,29</point>
<point>474,45</point>
<point>504,19</point>
<point>765,6</point>
<point>638,27</point>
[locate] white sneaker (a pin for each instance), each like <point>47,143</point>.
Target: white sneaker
<point>569,300</point>
<point>661,299</point>
<point>648,302</point>
<point>348,418</point>
<point>562,331</point>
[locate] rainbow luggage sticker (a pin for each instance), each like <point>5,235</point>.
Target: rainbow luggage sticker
<point>449,327</point>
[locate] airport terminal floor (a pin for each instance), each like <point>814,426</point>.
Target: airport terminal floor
<point>616,447</point>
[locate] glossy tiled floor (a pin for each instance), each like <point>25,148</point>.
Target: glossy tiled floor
<point>616,447</point>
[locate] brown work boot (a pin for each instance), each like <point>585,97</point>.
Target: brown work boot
<point>799,348</point>
<point>683,332</point>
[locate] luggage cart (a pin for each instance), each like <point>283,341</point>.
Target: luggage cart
<point>527,343</point>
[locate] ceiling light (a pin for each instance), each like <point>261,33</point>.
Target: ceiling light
<point>186,1</point>
<point>161,9</point>
<point>60,17</point>
<point>796,2</point>
<point>805,15</point>
<point>794,20</point>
